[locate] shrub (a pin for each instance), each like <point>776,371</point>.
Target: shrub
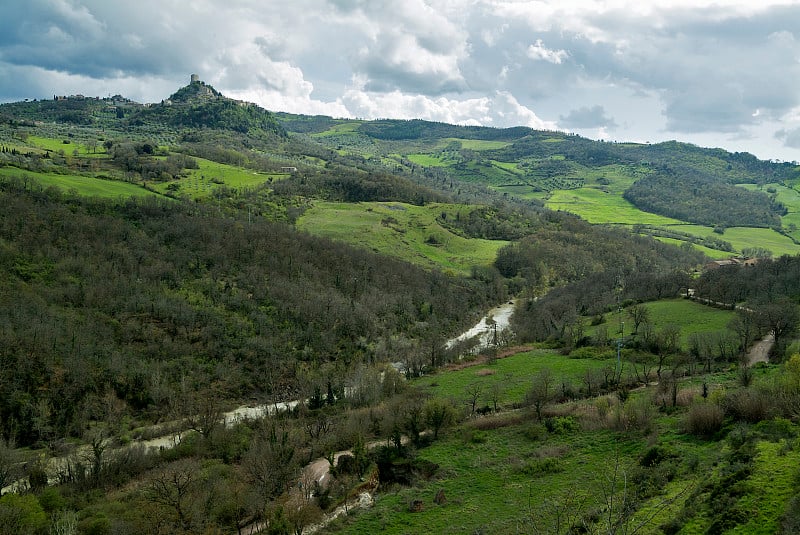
<point>561,424</point>
<point>534,432</point>
<point>748,405</point>
<point>776,429</point>
<point>636,414</point>
<point>704,420</point>
<point>541,467</point>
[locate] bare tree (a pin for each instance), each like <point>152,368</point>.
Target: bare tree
<point>473,393</point>
<point>271,462</point>
<point>639,314</point>
<point>173,489</point>
<point>541,391</point>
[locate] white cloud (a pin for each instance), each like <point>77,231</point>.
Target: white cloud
<point>499,110</point>
<point>538,51</point>
<point>688,69</point>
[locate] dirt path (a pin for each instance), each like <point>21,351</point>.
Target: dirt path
<point>760,350</point>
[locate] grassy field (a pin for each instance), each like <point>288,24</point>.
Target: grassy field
<point>597,206</point>
<point>400,230</point>
<point>507,474</point>
<point>428,160</point>
<point>790,198</point>
<point>57,145</point>
<point>82,185</point>
<point>509,377</point>
<point>210,175</point>
<point>477,144</point>
<point>743,237</point>
<point>692,317</point>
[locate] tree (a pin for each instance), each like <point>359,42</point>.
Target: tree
<point>438,415</point>
<point>668,340</point>
<point>472,393</point>
<point>541,391</point>
<point>745,325</point>
<point>779,317</point>
<point>639,314</point>
<point>271,461</point>
<point>21,514</point>
<point>173,487</point>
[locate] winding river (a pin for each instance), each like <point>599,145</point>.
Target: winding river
<point>496,321</point>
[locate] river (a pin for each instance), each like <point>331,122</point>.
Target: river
<point>496,321</point>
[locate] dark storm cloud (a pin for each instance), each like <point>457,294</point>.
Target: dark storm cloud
<point>790,138</point>
<point>587,117</point>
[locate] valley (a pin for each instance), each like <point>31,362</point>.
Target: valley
<point>202,298</point>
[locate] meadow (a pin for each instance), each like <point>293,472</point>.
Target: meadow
<point>509,378</point>
<point>401,230</point>
<point>81,185</point>
<point>210,175</point>
<point>510,473</point>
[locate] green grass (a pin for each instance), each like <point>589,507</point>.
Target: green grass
<point>82,185</point>
<point>478,144</point>
<point>487,488</point>
<point>210,175</point>
<point>347,127</point>
<point>790,198</point>
<point>772,482</point>
<point>401,230</point>
<point>57,145</point>
<point>512,375</point>
<point>427,160</point>
<point>744,237</point>
<point>506,474</point>
<point>692,317</point>
<point>597,206</point>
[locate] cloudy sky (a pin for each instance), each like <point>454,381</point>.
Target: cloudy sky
<point>722,73</point>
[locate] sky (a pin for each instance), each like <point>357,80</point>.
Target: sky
<point>714,73</point>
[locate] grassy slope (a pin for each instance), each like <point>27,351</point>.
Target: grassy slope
<point>595,202</point>
<point>493,485</point>
<point>83,185</point>
<point>202,182</point>
<point>510,375</point>
<point>691,316</point>
<point>400,230</point>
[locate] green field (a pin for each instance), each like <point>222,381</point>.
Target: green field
<point>57,145</point>
<point>401,230</point>
<point>477,144</point>
<point>82,185</point>
<point>509,473</point>
<point>790,198</point>
<point>509,376</point>
<point>744,237</point>
<point>692,317</point>
<point>202,182</point>
<point>597,206</point>
<point>427,160</point>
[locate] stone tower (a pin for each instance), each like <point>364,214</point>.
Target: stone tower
<point>195,78</point>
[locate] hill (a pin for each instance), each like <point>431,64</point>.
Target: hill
<point>683,192</point>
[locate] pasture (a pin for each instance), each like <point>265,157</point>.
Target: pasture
<point>81,185</point>
<point>404,231</point>
<point>508,378</point>
<point>203,181</point>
